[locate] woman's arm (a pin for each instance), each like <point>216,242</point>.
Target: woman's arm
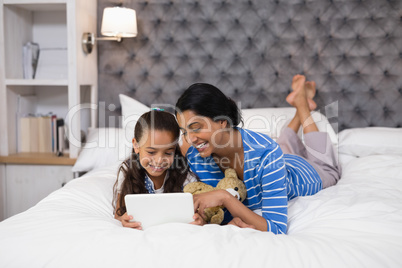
<point>231,203</point>
<point>273,197</point>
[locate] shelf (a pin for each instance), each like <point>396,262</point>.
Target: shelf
<point>64,78</point>
<point>36,82</point>
<point>44,5</point>
<point>37,159</point>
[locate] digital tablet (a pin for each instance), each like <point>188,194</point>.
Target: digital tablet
<point>155,209</point>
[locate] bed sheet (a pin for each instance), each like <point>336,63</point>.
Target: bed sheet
<point>357,223</point>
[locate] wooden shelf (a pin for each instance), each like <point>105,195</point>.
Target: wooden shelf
<point>37,159</point>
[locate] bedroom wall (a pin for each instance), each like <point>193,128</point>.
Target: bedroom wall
<point>251,49</point>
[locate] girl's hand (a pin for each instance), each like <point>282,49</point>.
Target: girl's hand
<point>125,221</point>
<point>198,220</point>
<point>240,223</point>
<point>210,199</point>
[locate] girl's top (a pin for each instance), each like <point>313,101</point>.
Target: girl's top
<point>149,184</point>
<point>271,177</point>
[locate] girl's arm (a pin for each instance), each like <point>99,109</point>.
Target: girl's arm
<point>125,219</point>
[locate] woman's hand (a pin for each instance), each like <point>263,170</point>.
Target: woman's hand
<point>240,223</point>
<point>125,221</point>
<point>210,199</point>
<point>198,220</point>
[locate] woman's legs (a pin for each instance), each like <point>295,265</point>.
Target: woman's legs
<point>318,148</point>
<point>302,91</point>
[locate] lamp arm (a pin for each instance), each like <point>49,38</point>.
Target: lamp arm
<point>114,38</point>
<point>89,39</point>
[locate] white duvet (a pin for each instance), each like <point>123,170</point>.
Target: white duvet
<point>357,223</point>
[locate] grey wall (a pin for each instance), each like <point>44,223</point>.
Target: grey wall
<point>251,49</point>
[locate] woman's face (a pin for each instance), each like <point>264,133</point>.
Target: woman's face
<point>202,132</point>
<point>156,151</point>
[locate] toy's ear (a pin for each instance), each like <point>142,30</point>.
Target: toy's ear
<point>230,173</point>
<point>197,187</point>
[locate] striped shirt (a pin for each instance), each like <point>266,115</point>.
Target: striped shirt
<point>271,177</point>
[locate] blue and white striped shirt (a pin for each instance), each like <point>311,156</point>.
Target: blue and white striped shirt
<point>271,177</point>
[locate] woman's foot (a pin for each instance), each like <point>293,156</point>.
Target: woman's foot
<point>302,90</point>
<point>303,104</point>
<point>310,89</point>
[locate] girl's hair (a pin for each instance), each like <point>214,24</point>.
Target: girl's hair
<point>207,100</point>
<point>134,173</point>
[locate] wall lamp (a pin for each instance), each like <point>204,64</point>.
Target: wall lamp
<point>117,23</point>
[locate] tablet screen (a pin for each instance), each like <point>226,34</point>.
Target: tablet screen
<point>155,209</point>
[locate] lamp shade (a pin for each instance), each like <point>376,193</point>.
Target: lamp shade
<point>119,21</point>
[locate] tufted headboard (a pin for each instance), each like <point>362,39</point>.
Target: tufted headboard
<point>251,49</point>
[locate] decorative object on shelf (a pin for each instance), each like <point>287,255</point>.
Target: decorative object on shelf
<point>117,23</point>
<point>30,54</point>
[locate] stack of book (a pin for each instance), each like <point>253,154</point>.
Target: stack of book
<point>44,134</point>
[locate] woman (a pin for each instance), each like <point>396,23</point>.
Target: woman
<point>213,143</point>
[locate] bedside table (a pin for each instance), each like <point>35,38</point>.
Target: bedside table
<point>27,178</point>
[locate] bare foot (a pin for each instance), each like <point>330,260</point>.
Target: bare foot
<point>302,91</point>
<point>310,89</point>
<point>298,82</point>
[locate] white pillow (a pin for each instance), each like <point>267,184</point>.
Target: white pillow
<point>104,146</point>
<point>272,121</point>
<point>370,141</point>
<point>131,111</point>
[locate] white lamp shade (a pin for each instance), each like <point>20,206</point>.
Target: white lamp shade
<point>119,21</point>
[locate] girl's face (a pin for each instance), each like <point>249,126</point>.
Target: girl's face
<point>156,151</point>
<point>202,132</point>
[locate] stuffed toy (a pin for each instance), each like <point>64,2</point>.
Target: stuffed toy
<point>230,182</point>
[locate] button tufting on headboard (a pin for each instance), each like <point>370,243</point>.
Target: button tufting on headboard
<point>252,48</point>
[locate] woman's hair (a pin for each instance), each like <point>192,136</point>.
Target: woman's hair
<point>207,100</point>
<point>134,174</point>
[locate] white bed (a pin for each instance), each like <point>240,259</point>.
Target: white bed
<point>357,223</point>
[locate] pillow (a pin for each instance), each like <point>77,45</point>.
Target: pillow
<point>131,110</point>
<point>104,146</point>
<point>272,121</point>
<point>370,141</point>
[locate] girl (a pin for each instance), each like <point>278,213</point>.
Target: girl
<point>213,143</point>
<point>156,164</point>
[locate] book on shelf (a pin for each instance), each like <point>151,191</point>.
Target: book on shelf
<point>44,134</point>
<point>60,135</point>
<point>33,133</point>
<point>25,107</point>
<point>54,134</point>
<point>24,129</point>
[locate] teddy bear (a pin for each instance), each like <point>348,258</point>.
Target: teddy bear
<point>230,182</point>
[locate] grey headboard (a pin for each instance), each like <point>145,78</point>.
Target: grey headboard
<point>250,49</point>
